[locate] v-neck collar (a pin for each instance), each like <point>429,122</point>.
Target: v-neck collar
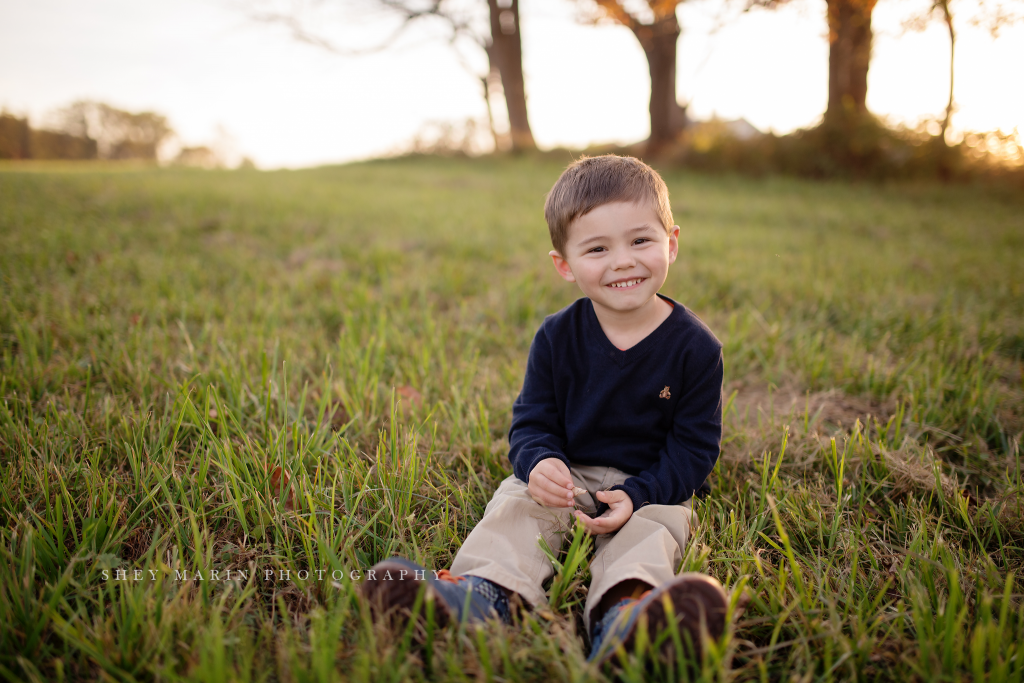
<point>638,350</point>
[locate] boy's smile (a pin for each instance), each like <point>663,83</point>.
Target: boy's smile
<point>619,255</point>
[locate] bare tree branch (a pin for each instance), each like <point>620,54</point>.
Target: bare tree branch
<point>409,16</point>
<point>464,24</point>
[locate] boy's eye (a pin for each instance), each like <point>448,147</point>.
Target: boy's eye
<point>595,250</point>
<point>640,240</point>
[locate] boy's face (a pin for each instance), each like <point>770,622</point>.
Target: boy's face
<point>619,255</point>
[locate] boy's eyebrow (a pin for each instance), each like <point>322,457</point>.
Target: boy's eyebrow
<point>597,238</point>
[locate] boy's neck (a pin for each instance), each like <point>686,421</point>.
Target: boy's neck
<point>627,329</point>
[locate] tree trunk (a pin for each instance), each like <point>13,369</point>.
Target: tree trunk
<point>485,81</point>
<point>849,26</point>
<point>15,137</point>
<point>659,42</point>
<point>947,17</point>
<point>507,53</point>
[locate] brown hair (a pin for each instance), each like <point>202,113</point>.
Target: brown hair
<point>591,182</point>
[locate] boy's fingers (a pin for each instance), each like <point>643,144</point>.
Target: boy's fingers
<point>610,521</point>
<point>545,498</point>
<point>559,481</point>
<point>550,493</point>
<point>599,525</point>
<point>558,473</point>
<point>554,488</point>
<point>589,523</point>
<point>548,499</point>
<point>563,490</point>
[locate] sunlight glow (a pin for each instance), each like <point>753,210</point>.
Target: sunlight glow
<point>204,64</point>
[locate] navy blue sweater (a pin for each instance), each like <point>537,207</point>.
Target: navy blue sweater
<point>653,411</point>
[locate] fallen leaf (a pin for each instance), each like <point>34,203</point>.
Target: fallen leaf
<point>410,395</point>
<point>278,483</point>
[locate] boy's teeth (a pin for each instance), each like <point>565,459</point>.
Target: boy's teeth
<point>628,283</point>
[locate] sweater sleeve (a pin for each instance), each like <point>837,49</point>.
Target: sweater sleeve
<point>537,431</point>
<point>692,445</point>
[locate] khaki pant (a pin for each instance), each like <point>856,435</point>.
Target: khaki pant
<point>503,546</point>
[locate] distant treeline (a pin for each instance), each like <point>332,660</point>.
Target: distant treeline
<point>19,140</point>
<point>867,148</point>
<point>85,130</point>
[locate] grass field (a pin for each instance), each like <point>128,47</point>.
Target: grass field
<point>286,371</point>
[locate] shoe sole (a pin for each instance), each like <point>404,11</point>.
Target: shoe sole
<point>393,598</point>
<point>695,598</point>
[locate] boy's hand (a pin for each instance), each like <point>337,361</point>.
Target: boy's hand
<point>619,512</point>
<point>550,484</point>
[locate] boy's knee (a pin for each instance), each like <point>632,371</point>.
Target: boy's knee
<point>676,520</point>
<point>666,514</point>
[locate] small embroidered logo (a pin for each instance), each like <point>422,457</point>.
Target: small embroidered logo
<point>665,393</point>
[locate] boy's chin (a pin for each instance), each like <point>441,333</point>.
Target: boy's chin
<point>624,305</point>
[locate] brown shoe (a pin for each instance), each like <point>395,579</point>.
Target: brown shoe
<point>391,588</point>
<point>697,601</point>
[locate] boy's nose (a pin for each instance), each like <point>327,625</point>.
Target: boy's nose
<point>623,259</point>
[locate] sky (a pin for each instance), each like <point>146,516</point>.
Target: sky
<point>218,74</point>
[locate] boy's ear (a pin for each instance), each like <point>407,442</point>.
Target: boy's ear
<point>673,243</point>
<point>562,266</point>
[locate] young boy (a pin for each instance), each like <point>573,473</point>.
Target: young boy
<point>620,413</point>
